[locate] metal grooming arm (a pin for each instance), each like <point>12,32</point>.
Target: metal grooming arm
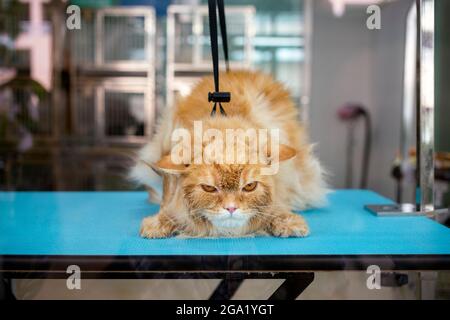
<point>424,119</point>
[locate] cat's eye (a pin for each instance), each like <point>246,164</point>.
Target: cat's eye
<point>208,188</point>
<point>250,186</point>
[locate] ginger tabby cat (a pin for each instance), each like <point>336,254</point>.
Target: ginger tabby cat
<point>213,198</point>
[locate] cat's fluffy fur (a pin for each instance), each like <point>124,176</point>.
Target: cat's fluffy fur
<point>257,102</point>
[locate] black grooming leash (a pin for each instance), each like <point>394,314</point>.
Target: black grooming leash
<point>218,97</point>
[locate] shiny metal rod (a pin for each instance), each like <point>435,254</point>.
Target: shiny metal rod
<point>424,119</point>
<point>425,105</point>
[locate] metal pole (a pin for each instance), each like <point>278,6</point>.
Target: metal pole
<point>425,107</point>
<point>424,119</point>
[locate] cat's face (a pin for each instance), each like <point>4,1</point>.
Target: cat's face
<point>228,196</point>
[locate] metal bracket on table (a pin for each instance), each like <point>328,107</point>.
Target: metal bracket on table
<point>405,209</point>
<point>388,210</point>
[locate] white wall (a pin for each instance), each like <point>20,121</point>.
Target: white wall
<point>351,63</point>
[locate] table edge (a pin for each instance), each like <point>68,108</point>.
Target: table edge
<point>161,266</point>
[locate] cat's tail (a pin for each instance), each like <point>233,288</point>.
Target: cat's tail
<point>142,173</point>
<point>313,189</point>
<point>309,186</point>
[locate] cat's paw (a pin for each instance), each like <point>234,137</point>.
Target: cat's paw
<point>289,225</point>
<point>152,228</point>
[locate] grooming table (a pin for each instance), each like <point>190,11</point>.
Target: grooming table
<point>42,233</point>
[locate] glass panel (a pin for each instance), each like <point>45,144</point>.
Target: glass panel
<point>100,113</point>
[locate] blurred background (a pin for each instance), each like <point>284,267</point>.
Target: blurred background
<point>79,97</point>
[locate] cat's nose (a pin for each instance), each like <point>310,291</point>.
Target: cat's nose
<point>231,209</point>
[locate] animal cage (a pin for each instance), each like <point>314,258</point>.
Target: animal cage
<point>113,67</point>
<point>188,52</point>
<point>115,109</point>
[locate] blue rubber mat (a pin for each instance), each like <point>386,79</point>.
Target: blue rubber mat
<point>107,223</point>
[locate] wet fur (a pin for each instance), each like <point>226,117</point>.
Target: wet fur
<point>257,102</point>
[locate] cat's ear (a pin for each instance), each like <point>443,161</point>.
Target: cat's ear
<point>165,165</point>
<point>284,153</point>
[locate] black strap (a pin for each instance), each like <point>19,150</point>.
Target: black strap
<point>223,32</point>
<point>218,97</point>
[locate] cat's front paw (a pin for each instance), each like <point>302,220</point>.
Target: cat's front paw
<point>289,225</point>
<point>153,228</point>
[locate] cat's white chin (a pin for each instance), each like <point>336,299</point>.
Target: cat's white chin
<point>226,222</point>
<point>230,228</point>
<point>230,223</point>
